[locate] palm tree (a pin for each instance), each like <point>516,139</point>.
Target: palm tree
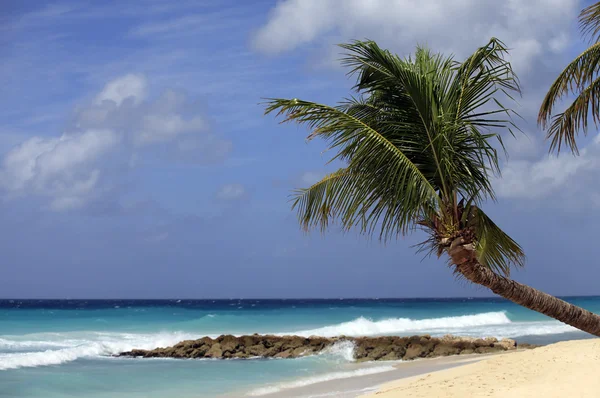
<point>579,78</point>
<point>416,143</point>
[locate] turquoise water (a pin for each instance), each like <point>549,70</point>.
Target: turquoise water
<point>55,349</point>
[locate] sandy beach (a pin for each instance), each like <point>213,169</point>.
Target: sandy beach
<point>565,369</point>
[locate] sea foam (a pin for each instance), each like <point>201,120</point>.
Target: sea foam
<point>44,349</point>
<point>272,389</point>
<point>82,345</point>
<point>494,324</point>
<point>367,327</point>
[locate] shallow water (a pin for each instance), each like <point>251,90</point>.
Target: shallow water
<point>61,348</point>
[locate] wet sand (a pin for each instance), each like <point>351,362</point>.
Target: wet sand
<point>359,385</point>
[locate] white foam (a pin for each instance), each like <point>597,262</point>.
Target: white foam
<point>367,327</point>
<point>341,350</point>
<point>86,345</point>
<point>6,344</point>
<point>58,348</point>
<point>318,379</point>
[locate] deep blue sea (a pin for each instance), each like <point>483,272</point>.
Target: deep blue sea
<point>62,348</point>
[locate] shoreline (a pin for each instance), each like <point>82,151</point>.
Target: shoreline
<point>360,384</point>
<point>568,368</point>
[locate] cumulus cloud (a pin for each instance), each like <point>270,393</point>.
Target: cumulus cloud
<point>63,169</point>
<point>528,26</point>
<point>127,87</point>
<point>553,177</point>
<point>115,128</point>
<point>122,106</point>
<point>231,192</point>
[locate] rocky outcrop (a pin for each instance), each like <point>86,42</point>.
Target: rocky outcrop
<point>365,348</point>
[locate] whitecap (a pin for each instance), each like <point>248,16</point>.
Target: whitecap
<point>494,324</point>
<point>367,327</point>
<point>58,348</point>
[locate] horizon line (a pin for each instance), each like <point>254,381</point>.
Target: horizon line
<point>288,298</point>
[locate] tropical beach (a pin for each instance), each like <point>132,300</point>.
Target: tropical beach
<point>299,199</point>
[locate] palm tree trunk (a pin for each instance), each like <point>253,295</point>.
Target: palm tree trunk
<point>464,258</point>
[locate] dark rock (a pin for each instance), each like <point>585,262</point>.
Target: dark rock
<point>414,350</point>
<point>366,348</point>
<point>214,351</point>
<point>257,350</point>
<point>442,350</point>
<point>526,346</point>
<point>228,343</point>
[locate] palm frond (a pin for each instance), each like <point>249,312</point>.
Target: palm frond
<point>439,98</point>
<point>577,78</point>
<point>318,204</point>
<point>495,249</point>
<point>393,187</point>
<point>589,22</point>
<point>565,125</point>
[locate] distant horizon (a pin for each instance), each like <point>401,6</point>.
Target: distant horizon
<point>285,298</point>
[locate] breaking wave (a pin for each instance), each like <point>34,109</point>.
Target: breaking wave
<point>495,324</point>
<point>61,348</point>
<point>366,327</point>
<point>44,349</point>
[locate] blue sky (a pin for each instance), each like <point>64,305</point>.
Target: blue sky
<point>136,160</point>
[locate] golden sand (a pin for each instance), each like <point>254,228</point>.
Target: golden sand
<point>568,369</point>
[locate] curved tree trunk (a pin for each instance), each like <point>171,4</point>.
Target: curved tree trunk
<point>464,258</point>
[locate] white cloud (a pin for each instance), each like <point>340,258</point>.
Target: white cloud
<point>529,27</point>
<point>108,133</point>
<point>231,192</point>
<point>62,169</point>
<point>127,87</point>
<point>122,106</point>
<point>558,177</point>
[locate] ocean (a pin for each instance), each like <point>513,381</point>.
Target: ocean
<point>63,348</point>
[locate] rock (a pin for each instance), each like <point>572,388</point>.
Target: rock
<point>378,352</point>
<point>413,351</point>
<point>481,343</point>
<point>526,346</point>
<point>485,350</point>
<point>284,354</point>
<point>248,341</point>
<point>214,351</point>
<point>391,356</point>
<point>257,350</point>
<point>228,343</point>
<point>366,348</point>
<point>299,352</point>
<point>199,352</point>
<point>443,350</point>
<point>294,342</point>
<point>509,344</point>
